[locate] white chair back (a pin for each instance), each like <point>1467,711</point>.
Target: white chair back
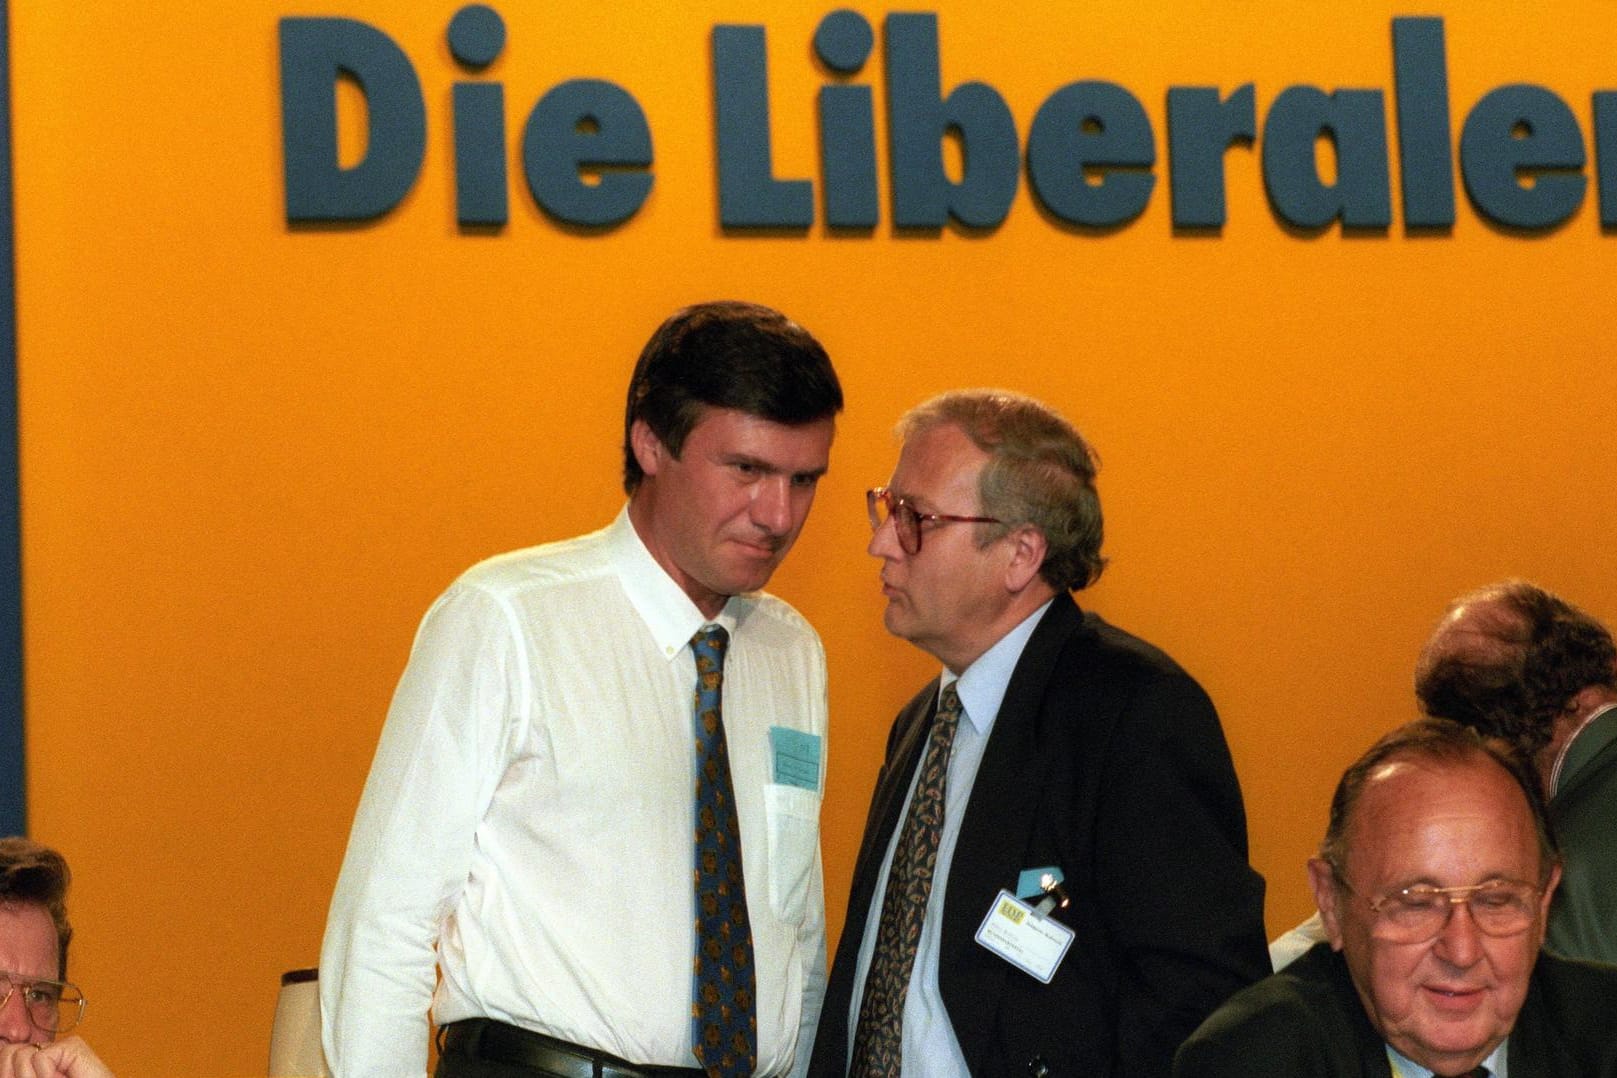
<point>295,1050</point>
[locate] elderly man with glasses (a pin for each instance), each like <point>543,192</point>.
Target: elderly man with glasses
<point>1054,875</point>
<point>36,1002</point>
<point>1434,882</point>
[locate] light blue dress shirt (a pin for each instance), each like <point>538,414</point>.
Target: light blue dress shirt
<point>1402,1067</point>
<point>930,1047</point>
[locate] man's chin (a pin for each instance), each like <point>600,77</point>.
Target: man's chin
<point>754,578</point>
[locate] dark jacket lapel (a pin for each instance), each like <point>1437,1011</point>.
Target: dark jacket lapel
<point>910,731</point>
<point>999,820</point>
<point>905,743</point>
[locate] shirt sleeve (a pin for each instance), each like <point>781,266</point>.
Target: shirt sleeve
<point>434,775</point>
<point>811,948</point>
<point>811,937</point>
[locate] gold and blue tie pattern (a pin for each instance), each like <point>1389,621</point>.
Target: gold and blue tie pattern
<point>878,1039</point>
<point>724,1020</point>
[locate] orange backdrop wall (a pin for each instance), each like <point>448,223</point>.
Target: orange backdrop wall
<point>252,455</point>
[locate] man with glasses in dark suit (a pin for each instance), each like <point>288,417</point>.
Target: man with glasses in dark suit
<point>1434,882</point>
<point>1054,875</point>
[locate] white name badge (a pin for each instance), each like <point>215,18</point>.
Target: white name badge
<point>1021,936</point>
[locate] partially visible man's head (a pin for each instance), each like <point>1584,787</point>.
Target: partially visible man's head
<point>1434,880</point>
<point>35,875</point>
<point>1509,659</point>
<point>34,930</point>
<point>739,356</point>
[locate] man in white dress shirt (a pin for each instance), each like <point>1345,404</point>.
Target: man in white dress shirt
<point>525,836</point>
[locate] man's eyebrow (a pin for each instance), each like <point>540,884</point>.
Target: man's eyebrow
<point>1432,882</point>
<point>771,467</point>
<point>917,502</point>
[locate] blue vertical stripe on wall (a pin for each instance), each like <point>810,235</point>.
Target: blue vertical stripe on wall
<point>13,819</point>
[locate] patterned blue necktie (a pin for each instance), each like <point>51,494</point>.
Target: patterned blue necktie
<point>878,1042</point>
<point>724,1022</point>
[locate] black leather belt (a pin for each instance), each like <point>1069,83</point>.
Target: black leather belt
<point>497,1042</point>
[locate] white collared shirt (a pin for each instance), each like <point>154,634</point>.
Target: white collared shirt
<point>527,826</point>
<point>930,1046</point>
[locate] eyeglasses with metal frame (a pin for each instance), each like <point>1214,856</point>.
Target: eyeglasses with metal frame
<point>1419,913</point>
<point>907,520</point>
<point>52,1006</point>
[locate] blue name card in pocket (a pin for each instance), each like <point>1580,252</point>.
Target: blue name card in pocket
<point>797,757</point>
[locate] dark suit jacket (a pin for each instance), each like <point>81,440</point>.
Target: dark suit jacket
<point>1307,1022</point>
<point>1107,761</point>
<point>1583,917</point>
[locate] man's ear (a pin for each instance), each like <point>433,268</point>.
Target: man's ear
<point>649,451</point>
<point>1323,881</point>
<point>1028,548</point>
<point>1549,893</point>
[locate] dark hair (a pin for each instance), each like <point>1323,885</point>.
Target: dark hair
<point>35,875</point>
<point>1040,471</point>
<point>741,356</point>
<point>1440,741</point>
<point>1512,661</point>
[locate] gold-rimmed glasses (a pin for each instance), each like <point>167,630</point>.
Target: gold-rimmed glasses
<point>1418,913</point>
<point>52,1006</point>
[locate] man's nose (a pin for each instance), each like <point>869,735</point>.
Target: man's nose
<point>15,1028</point>
<point>884,541</point>
<point>1460,942</point>
<point>772,505</point>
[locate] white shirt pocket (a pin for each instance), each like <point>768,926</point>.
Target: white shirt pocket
<point>794,839</point>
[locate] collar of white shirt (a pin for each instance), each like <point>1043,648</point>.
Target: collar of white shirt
<point>662,604</point>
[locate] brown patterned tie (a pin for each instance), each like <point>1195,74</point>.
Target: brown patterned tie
<point>878,1040</point>
<point>724,1020</point>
